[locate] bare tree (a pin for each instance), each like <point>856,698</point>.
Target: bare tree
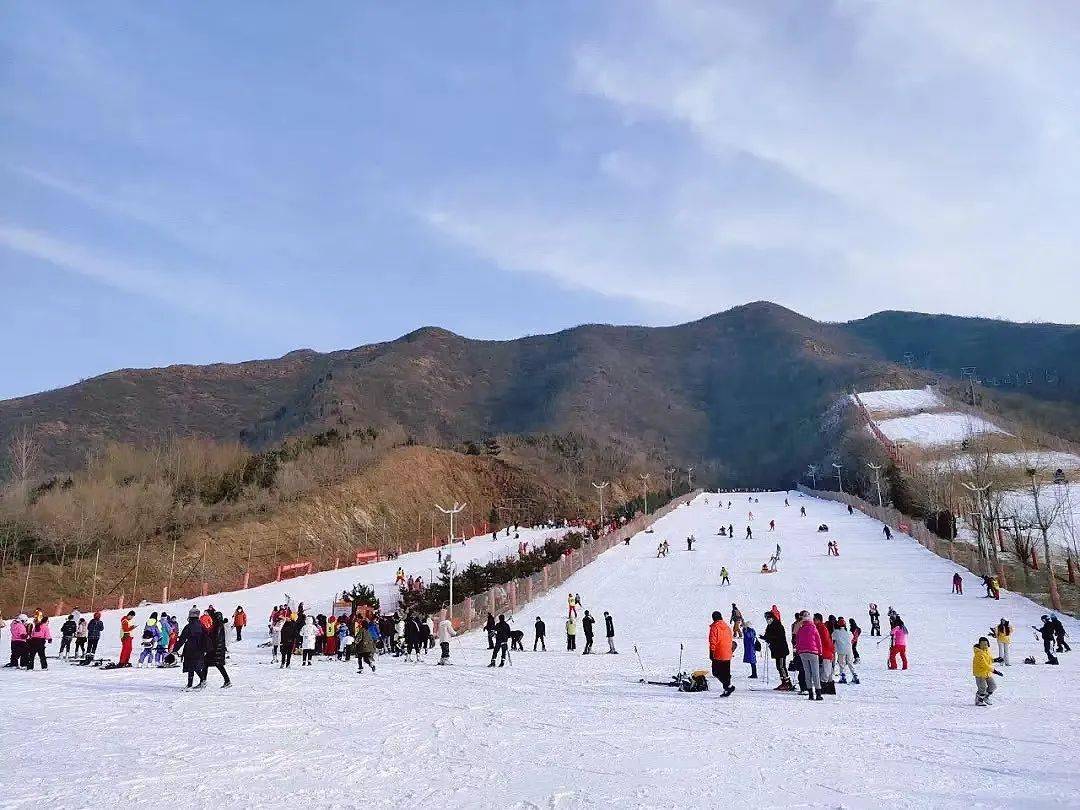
<point>1046,514</point>
<point>25,451</point>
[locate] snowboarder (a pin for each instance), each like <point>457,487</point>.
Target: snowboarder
<point>887,532</point>
<point>1003,634</point>
<point>721,647</point>
<point>982,667</point>
<point>239,621</point>
<point>587,623</point>
<point>609,632</point>
<point>898,646</point>
<point>539,629</point>
<point>192,645</point>
<point>67,633</point>
<point>1059,634</point>
<point>446,632</point>
<point>776,638</point>
<point>750,648</point>
<point>875,620</point>
<point>958,584</point>
<point>845,654</point>
<point>489,628</point>
<point>502,636</point>
<point>724,578</point>
<point>571,634</point>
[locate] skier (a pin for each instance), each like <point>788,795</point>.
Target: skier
<point>80,637</point>
<point>724,578</point>
<point>67,633</point>
<point>875,620</point>
<point>845,655</point>
<point>1059,634</point>
<point>802,511</point>
<point>958,584</point>
<point>609,632</point>
<point>446,632</point>
<point>690,543</point>
<point>982,667</point>
<point>571,634</point>
<point>150,635</point>
<point>40,635</point>
<point>736,619</point>
<point>364,646</point>
<point>749,533</point>
<point>886,531</point>
<point>571,606</point>
<point>216,649</point>
<point>808,648</point>
<point>127,634</point>
<point>502,636</point>
<point>898,646</point>
<point>776,638</point>
<point>539,629</point>
<point>721,646</point>
<point>1003,634</point>
<point>308,633</point>
<point>750,646</point>
<point>587,625</point>
<point>1047,633</point>
<point>489,628</point>
<point>288,641</point>
<point>94,628</point>
<point>239,621</point>
<point>772,525</point>
<point>193,643</point>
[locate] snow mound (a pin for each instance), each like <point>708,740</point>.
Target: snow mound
<point>936,429</point>
<point>900,401</point>
<point>1040,459</point>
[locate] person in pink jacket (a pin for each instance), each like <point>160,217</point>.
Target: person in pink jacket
<point>898,643</point>
<point>808,648</point>
<point>19,636</point>
<point>39,637</point>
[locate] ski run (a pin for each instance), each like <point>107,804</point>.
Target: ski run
<point>558,729</point>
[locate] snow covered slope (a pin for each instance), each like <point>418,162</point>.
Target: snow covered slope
<point>935,429</point>
<point>558,730</point>
<point>900,401</point>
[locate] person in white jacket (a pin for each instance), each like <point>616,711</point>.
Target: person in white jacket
<point>841,637</point>
<point>275,636</point>
<point>446,632</point>
<point>308,634</point>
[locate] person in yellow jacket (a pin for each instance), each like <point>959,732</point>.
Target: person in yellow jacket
<point>571,634</point>
<point>982,667</point>
<point>1003,634</point>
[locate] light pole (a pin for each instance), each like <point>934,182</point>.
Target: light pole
<point>690,478</point>
<point>977,493</point>
<point>671,480</point>
<point>458,507</point>
<point>839,477</point>
<point>600,490</point>
<point>877,479</point>
<point>811,470</point>
<point>645,490</point>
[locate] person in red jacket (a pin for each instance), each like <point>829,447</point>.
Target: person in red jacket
<point>239,621</point>
<point>127,634</point>
<point>720,649</point>
<point>828,651</point>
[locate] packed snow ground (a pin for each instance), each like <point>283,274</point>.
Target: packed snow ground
<point>935,429</point>
<point>900,401</point>
<point>563,730</point>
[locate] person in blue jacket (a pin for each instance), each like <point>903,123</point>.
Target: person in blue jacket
<point>749,654</point>
<point>376,635</point>
<point>93,633</point>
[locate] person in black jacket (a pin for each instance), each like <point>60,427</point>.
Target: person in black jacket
<point>412,637</point>
<point>216,649</point>
<point>93,633</point>
<point>502,636</point>
<point>192,645</point>
<point>587,623</point>
<point>776,637</point>
<point>489,627</point>
<point>609,631</point>
<point>1047,633</point>
<point>67,633</point>
<point>541,629</point>
<point>1059,634</point>
<point>288,641</point>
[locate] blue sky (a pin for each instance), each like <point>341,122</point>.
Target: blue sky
<point>192,183</point>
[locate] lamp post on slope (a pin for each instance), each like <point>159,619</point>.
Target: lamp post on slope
<point>458,507</point>
<point>877,479</point>
<point>645,490</point>
<point>600,490</point>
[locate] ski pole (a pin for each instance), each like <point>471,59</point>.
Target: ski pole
<point>640,664</point>
<point>679,672</point>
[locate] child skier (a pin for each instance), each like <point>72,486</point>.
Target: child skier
<point>982,667</point>
<point>1003,634</point>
